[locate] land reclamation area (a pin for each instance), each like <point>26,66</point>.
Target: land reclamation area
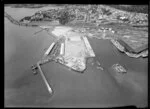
<point>74,49</point>
<point>93,88</point>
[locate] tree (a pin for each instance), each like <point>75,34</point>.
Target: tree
<point>26,18</point>
<point>106,11</point>
<point>64,18</point>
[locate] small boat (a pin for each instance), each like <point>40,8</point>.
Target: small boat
<point>34,69</point>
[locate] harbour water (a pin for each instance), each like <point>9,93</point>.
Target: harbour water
<point>109,55</point>
<point>94,87</point>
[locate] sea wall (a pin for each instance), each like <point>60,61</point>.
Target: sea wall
<point>122,49</point>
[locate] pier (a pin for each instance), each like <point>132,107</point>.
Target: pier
<point>44,78</point>
<point>49,49</point>
<point>88,47</point>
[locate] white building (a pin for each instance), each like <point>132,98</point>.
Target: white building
<point>49,49</point>
<point>62,49</point>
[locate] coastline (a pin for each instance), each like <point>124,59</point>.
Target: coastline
<point>122,49</point>
<point>114,42</point>
<point>12,20</point>
<point>95,87</point>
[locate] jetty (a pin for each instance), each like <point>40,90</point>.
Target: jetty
<point>44,78</point>
<point>88,47</point>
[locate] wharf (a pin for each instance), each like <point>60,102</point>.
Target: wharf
<point>73,49</point>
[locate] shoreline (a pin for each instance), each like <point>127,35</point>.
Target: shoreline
<point>115,43</point>
<point>122,49</point>
<point>12,20</point>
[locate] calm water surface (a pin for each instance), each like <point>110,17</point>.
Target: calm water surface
<point>94,87</point>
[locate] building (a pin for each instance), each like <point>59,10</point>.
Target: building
<point>88,47</point>
<point>49,49</point>
<point>62,51</point>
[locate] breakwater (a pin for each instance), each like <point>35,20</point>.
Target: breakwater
<point>122,49</point>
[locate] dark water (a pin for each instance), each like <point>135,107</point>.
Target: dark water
<point>109,55</point>
<point>92,88</point>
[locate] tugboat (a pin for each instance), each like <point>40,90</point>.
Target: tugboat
<point>34,69</point>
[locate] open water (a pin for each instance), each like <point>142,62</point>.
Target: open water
<point>93,88</point>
